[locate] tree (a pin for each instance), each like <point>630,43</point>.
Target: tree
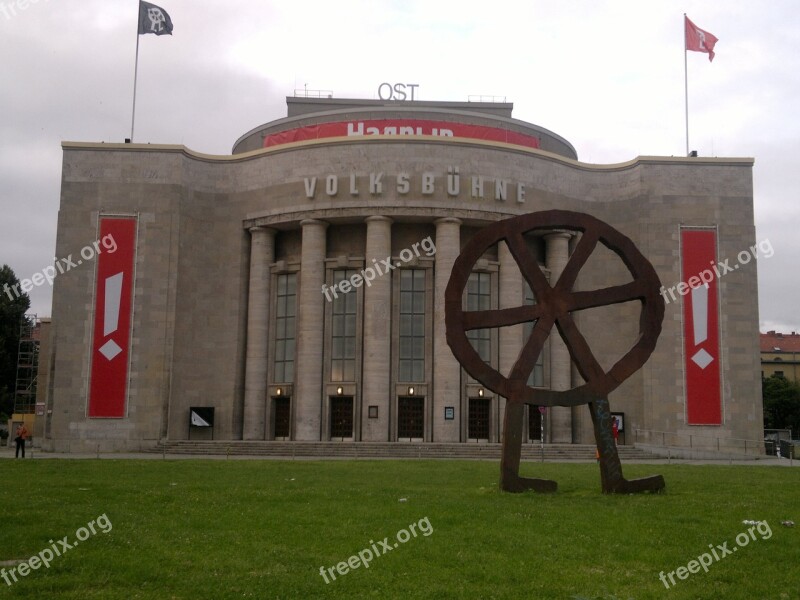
<point>12,311</point>
<point>781,404</point>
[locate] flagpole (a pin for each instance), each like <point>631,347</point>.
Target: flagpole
<point>686,83</point>
<point>135,73</point>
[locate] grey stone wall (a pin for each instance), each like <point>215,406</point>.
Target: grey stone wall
<point>192,265</point>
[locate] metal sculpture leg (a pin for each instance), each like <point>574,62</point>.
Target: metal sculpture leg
<point>510,481</point>
<point>611,478</point>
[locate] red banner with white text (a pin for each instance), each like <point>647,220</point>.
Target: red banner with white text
<point>701,327</point>
<point>113,312</point>
<point>400,127</point>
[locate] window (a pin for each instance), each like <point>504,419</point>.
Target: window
<point>536,378</point>
<point>343,325</point>
<point>285,328</point>
<point>479,297</point>
<point>412,325</point>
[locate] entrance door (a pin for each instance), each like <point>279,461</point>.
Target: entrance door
<point>410,418</point>
<point>479,418</point>
<point>341,417</point>
<point>534,424</point>
<point>282,419</point>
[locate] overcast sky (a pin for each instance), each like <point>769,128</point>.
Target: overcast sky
<point>606,75</point>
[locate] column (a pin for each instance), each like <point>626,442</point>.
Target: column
<point>446,370</point>
<point>262,254</point>
<point>375,388</point>
<point>310,320</point>
<point>510,338</point>
<point>557,255</point>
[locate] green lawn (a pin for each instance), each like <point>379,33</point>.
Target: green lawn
<point>262,529</point>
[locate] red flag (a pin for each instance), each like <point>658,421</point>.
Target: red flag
<point>699,40</point>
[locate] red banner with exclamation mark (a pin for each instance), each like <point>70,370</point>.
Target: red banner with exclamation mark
<point>701,327</point>
<point>112,318</point>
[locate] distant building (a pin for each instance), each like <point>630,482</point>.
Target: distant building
<point>780,355</point>
<point>226,295</point>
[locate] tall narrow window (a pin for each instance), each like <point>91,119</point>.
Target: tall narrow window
<point>412,325</point>
<point>343,330</point>
<point>479,297</point>
<point>536,378</point>
<point>285,328</point>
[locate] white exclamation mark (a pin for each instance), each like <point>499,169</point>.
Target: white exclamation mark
<point>700,318</point>
<point>113,298</point>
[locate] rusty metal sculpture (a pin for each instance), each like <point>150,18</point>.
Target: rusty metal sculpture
<point>554,306</point>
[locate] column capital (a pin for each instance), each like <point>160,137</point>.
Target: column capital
<point>559,234</point>
<point>262,229</point>
<point>443,220</point>
<point>305,222</point>
<point>378,219</point>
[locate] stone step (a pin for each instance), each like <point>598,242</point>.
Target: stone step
<point>387,450</point>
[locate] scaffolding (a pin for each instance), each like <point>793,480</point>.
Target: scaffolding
<point>27,366</point>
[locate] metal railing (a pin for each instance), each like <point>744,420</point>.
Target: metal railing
<point>696,441</point>
<point>480,98</point>
<point>305,93</point>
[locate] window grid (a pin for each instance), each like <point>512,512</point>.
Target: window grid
<point>536,378</point>
<point>412,326</point>
<point>343,334</point>
<point>285,328</point>
<point>479,297</point>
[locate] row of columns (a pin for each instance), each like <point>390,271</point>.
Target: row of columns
<point>308,394</point>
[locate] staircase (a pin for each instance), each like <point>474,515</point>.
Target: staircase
<point>377,450</point>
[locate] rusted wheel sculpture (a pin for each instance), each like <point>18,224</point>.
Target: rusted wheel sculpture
<point>554,305</point>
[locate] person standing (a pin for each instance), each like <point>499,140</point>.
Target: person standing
<point>615,430</point>
<point>22,435</point>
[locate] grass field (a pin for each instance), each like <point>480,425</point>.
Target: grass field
<point>262,529</point>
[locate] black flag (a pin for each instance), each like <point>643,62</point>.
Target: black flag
<point>153,19</point>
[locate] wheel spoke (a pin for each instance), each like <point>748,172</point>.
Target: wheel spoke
<point>532,349</point>
<point>635,290</point>
<point>528,265</point>
<point>579,349</point>
<point>486,319</point>
<point>583,250</point>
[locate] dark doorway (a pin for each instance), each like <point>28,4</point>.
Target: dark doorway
<point>534,424</point>
<point>341,417</point>
<point>410,418</point>
<point>479,418</point>
<point>282,418</point>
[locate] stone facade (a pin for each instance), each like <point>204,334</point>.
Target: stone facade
<point>214,233</point>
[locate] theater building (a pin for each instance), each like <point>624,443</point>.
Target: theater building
<point>293,290</point>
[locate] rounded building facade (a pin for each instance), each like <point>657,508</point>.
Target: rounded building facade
<point>294,289</point>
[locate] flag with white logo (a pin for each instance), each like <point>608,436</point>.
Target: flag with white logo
<point>153,19</point>
<point>699,40</point>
